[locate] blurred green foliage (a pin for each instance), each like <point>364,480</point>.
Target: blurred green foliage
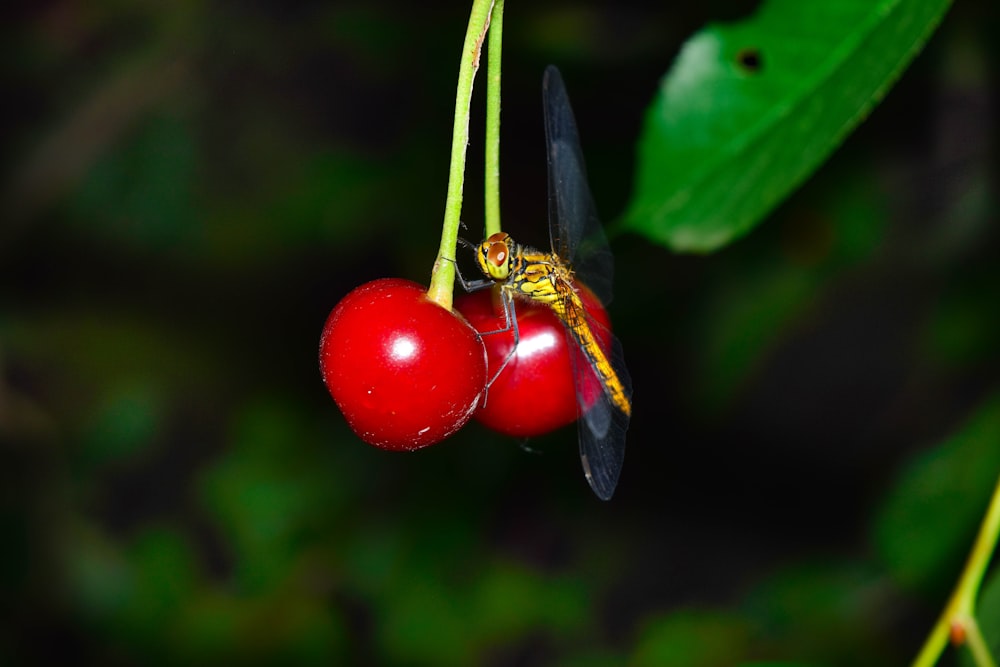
<point>188,189</point>
<point>942,493</point>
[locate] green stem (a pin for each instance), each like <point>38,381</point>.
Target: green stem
<point>443,274</point>
<point>961,609</point>
<point>934,645</point>
<point>493,120</point>
<point>977,645</point>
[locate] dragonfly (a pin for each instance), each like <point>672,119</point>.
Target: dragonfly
<point>579,257</point>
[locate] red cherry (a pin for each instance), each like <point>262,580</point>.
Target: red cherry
<point>405,372</point>
<point>535,392</point>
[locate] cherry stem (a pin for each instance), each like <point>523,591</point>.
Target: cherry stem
<point>493,121</point>
<point>443,274</point>
<point>960,612</point>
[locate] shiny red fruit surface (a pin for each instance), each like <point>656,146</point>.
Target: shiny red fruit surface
<point>535,393</point>
<point>405,372</point>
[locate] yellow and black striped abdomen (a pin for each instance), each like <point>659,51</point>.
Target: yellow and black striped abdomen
<point>571,311</point>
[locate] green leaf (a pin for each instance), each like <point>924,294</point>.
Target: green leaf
<point>512,601</point>
<point>98,576</point>
<point>750,109</point>
<point>929,521</point>
<point>767,289</point>
<point>821,613</point>
<point>143,193</point>
<point>293,626</point>
<point>165,575</point>
<point>743,320</point>
<point>692,638</point>
<point>271,492</point>
<point>589,656</point>
<point>426,624</point>
<point>963,326</point>
<point>124,423</point>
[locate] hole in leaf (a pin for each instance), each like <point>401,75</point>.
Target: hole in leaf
<point>750,60</point>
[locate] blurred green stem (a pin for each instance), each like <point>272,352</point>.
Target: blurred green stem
<point>958,621</point>
<point>443,274</point>
<point>493,120</point>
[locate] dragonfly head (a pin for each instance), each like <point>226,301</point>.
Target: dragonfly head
<point>495,256</point>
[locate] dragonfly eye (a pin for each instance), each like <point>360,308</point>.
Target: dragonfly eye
<point>497,254</point>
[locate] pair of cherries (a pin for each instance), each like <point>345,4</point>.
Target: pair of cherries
<point>407,373</point>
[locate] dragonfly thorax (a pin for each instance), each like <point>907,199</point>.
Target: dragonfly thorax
<point>495,256</point>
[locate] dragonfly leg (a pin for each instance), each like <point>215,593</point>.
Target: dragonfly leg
<point>510,324</point>
<point>469,285</point>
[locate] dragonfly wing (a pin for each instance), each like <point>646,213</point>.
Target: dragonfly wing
<point>574,227</point>
<point>602,424</point>
<point>577,238</point>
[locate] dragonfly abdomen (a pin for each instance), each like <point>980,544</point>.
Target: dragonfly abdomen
<point>576,324</point>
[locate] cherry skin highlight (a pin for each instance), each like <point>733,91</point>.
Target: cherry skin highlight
<point>535,393</point>
<point>405,372</point>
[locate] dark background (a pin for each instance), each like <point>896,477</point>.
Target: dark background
<point>189,189</point>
